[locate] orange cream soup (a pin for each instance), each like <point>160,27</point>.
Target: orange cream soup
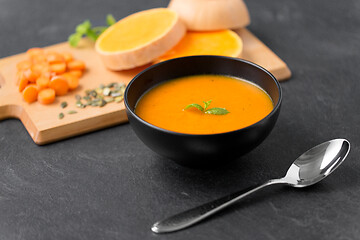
<point>163,105</point>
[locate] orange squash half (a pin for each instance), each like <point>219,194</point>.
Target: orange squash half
<point>223,43</point>
<point>140,38</point>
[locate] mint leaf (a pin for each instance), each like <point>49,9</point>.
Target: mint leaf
<point>99,30</point>
<point>110,20</point>
<point>206,104</point>
<point>83,27</point>
<point>92,34</point>
<point>217,111</point>
<point>74,39</point>
<point>195,105</point>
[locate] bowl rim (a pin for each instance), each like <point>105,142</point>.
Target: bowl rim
<point>275,109</point>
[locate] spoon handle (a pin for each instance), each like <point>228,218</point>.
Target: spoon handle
<point>195,215</point>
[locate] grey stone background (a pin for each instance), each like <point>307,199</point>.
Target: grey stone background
<point>108,185</point>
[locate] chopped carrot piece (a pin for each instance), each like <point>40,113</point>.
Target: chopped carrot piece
<point>72,80</point>
<point>77,73</point>
<point>50,72</point>
<point>30,75</point>
<point>23,65</point>
<point>76,65</point>
<point>22,84</point>
<point>34,52</point>
<point>46,96</point>
<point>40,68</point>
<point>67,56</point>
<point>60,85</point>
<point>58,68</point>
<point>30,93</point>
<point>43,82</point>
<point>54,57</point>
<point>19,75</point>
<point>39,59</point>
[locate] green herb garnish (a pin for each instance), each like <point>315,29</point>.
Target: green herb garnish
<point>214,111</point>
<point>86,29</point>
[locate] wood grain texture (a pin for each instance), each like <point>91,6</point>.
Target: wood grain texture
<point>42,121</point>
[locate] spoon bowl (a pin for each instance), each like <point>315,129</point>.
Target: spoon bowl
<point>317,163</point>
<point>308,169</point>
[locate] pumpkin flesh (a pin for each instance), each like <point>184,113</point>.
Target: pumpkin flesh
<point>223,43</point>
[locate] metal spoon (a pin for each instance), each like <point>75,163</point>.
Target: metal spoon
<point>310,168</point>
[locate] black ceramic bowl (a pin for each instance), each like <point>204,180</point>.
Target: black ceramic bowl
<point>202,150</point>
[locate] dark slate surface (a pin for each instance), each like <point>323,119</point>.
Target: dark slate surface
<point>108,185</point>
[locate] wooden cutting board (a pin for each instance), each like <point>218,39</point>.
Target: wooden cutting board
<point>42,122</point>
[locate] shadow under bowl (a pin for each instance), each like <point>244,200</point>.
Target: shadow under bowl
<point>202,150</point>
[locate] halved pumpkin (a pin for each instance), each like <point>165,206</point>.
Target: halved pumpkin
<point>211,15</point>
<point>223,43</point>
<point>140,38</point>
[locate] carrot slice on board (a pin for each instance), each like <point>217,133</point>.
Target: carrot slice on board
<point>72,80</point>
<point>39,59</point>
<point>58,68</point>
<point>23,83</point>
<point>76,65</point>
<point>46,96</point>
<point>23,65</point>
<point>76,73</point>
<point>31,75</point>
<point>32,52</point>
<point>60,85</point>
<point>19,76</point>
<point>39,68</point>
<point>43,82</point>
<point>30,93</point>
<point>54,57</point>
<point>67,56</point>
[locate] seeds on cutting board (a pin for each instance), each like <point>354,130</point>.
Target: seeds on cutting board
<point>102,95</point>
<point>98,97</point>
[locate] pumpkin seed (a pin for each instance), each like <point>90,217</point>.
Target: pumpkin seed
<point>116,94</point>
<point>106,91</point>
<point>109,99</point>
<point>61,116</point>
<point>87,98</point>
<point>72,112</point>
<point>63,104</point>
<point>100,96</point>
<point>77,97</point>
<point>93,93</point>
<point>110,85</point>
<point>79,104</point>
<point>98,90</point>
<point>102,103</point>
<point>119,99</point>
